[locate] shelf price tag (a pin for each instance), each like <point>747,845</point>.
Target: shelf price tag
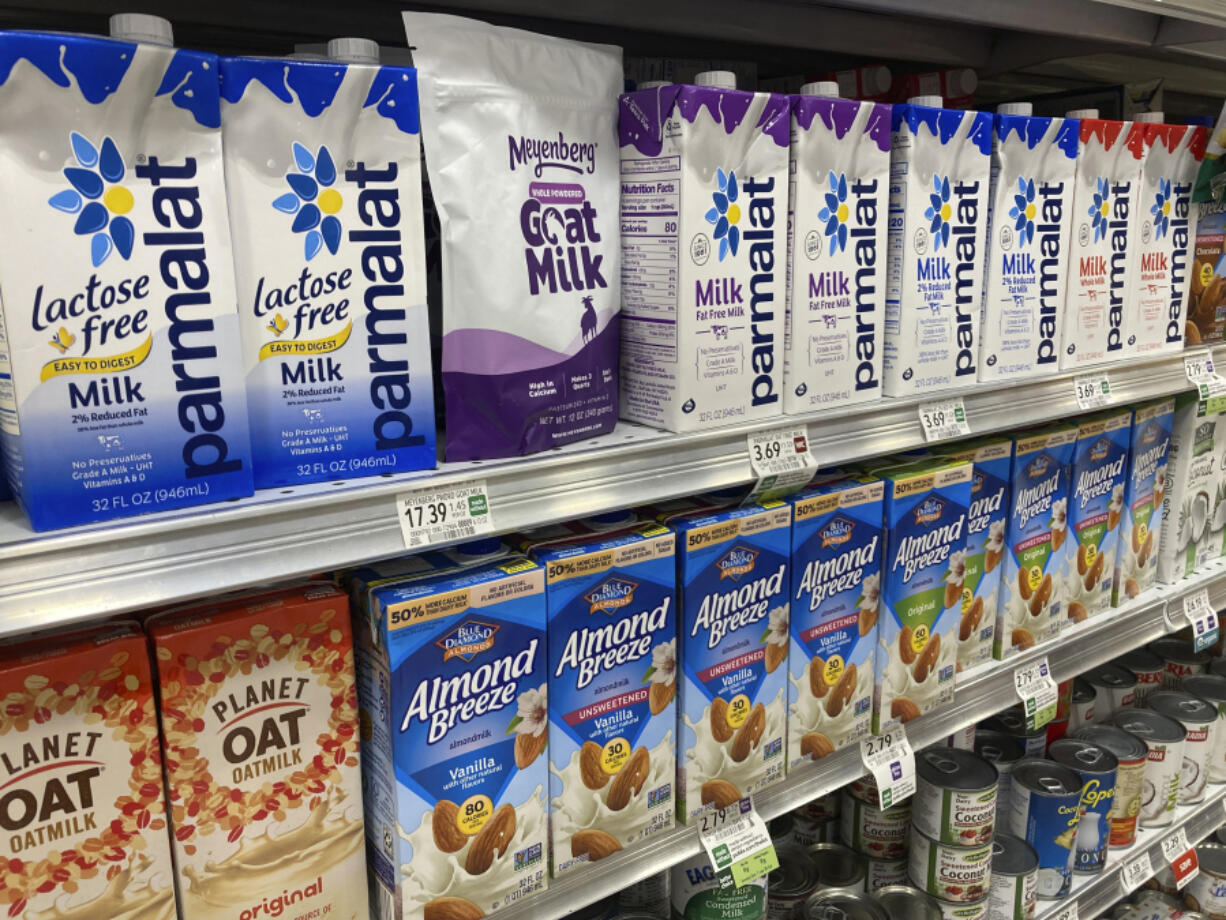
<point>1137,872</point>
<point>944,418</point>
<point>1181,856</point>
<point>1068,912</point>
<point>1038,692</point>
<point>444,514</point>
<point>1200,613</point>
<point>1093,391</point>
<point>737,843</point>
<point>889,758</point>
<point>781,460</point>
<point>1203,375</point>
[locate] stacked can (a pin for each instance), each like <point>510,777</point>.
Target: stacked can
<point>1199,719</point>
<point>840,867</point>
<point>1012,721</point>
<point>879,834</point>
<point>1015,874</point>
<point>695,891</point>
<point>909,903</point>
<point>1207,891</point>
<point>1045,810</point>
<point>843,904</point>
<point>1212,689</point>
<point>816,821</point>
<point>1179,660</point>
<point>1146,667</point>
<point>1130,754</point>
<point>1082,712</point>
<point>1003,752</point>
<point>650,897</point>
<point>1115,688</point>
<point>1163,764</point>
<point>1097,768</point>
<point>790,886</point>
<point>1058,727</point>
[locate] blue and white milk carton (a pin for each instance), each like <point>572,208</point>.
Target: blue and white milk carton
<point>939,174</point>
<point>452,678</point>
<point>1034,163</point>
<point>838,203</point>
<point>120,386</point>
<point>925,506</point>
<point>1141,527</point>
<point>836,599</point>
<point>704,183</point>
<point>732,573</point>
<point>323,166</point>
<point>612,686</point>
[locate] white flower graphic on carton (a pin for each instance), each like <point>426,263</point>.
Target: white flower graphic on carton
<point>777,631</point>
<point>533,711</point>
<point>1059,513</point>
<point>870,592</point>
<point>957,568</point>
<point>996,536</point>
<point>663,663</point>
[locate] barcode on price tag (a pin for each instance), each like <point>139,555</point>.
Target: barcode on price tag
<point>1200,613</point>
<point>944,418</point>
<point>438,514</point>
<point>737,843</point>
<point>1181,857</point>
<point>1093,391</point>
<point>1203,375</point>
<point>1038,692</point>
<point>1137,872</point>
<point>781,460</point>
<point>1067,912</point>
<point>889,758</point>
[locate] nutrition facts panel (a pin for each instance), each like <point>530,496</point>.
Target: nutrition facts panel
<point>650,198</point>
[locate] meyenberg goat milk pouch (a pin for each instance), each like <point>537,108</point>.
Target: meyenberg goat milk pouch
<point>520,134</point>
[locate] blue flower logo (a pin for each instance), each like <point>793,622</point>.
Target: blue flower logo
<point>1162,209</point>
<point>836,212</point>
<point>939,211</point>
<point>726,214</point>
<point>310,198</point>
<point>1100,209</point>
<point>1023,211</point>
<point>98,198</point>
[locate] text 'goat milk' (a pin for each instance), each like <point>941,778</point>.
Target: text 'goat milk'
<point>120,332</point>
<point>939,174</point>
<point>323,165</point>
<point>704,238</point>
<point>837,211</point>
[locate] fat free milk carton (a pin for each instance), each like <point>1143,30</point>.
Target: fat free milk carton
<point>1032,584</point>
<point>733,577</point>
<point>613,684</point>
<point>838,205</point>
<point>1141,527</point>
<point>452,674</point>
<point>704,254</point>
<point>1034,162</point>
<point>120,388</point>
<point>939,174</point>
<point>323,167</point>
<point>925,507</point>
<point>1106,209</point>
<point>1189,500</point>
<point>836,600</point>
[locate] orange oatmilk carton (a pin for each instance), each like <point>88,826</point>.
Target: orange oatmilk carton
<point>259,726</point>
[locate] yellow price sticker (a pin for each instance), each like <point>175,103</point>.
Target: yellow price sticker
<point>738,710</point>
<point>472,814</point>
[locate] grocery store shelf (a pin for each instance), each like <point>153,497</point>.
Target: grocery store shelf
<point>67,576</point>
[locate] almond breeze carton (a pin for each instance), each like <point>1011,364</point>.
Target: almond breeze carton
<point>1034,162</point>
<point>939,175</point>
<point>732,573</point>
<point>1189,493</point>
<point>1141,527</point>
<point>704,240</point>
<point>1032,583</point>
<point>452,676</point>
<point>323,166</point>
<point>838,202</point>
<point>612,685</point>
<point>836,589</point>
<point>925,507</point>
<point>120,386</point>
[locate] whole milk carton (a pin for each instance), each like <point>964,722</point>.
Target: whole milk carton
<point>925,508</point>
<point>1033,583</point>
<point>453,679</point>
<point>1107,217</point>
<point>1190,492</point>
<point>613,684</point>
<point>838,203</point>
<point>939,174</point>
<point>1136,562</point>
<point>1098,483</point>
<point>120,385</point>
<point>323,166</point>
<point>733,579</point>
<point>1034,162</point>
<point>704,174</point>
<point>836,593</point>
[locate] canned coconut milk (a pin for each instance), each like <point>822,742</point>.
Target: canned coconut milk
<point>805,833</point>
<point>1212,689</point>
<point>649,897</point>
<point>1096,766</point>
<point>882,873</point>
<point>790,885</point>
<point>955,796</point>
<point>975,910</point>
<point>839,866</point>
<point>1130,753</point>
<point>1160,786</point>
<point>903,902</point>
<point>1081,712</point>
<point>1200,720</point>
<point>1012,721</point>
<point>1003,752</point>
<point>1045,808</point>
<point>1015,873</point>
<point>1207,892</point>
<point>696,894</point>
<point>1146,667</point>
<point>864,789</point>
<point>781,830</point>
<point>963,739</point>
<point>821,808</point>
<point>841,904</point>
<point>874,832</point>
<point>1115,688</point>
<point>949,873</point>
<point>1179,659</point>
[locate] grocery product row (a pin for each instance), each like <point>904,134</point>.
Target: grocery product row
<point>273,207</point>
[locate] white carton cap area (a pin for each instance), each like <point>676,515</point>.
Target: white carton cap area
<point>141,27</point>
<point>721,79</point>
<point>652,84</point>
<point>933,102</point>
<point>1015,108</point>
<point>354,50</point>
<point>826,88</point>
<point>1081,113</point>
<point>1150,118</point>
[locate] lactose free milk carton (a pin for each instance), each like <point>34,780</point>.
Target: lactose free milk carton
<point>84,831</point>
<point>939,173</point>
<point>925,533</point>
<point>1107,210</point>
<point>452,674</point>
<point>1097,485</point>
<point>260,731</point>
<point>323,167</point>
<point>836,600</point>
<point>1034,162</point>
<point>612,686</point>
<point>120,389</point>
<point>704,254</point>
<point>837,209</point>
<point>1189,499</point>
<point>1141,527</point>
<point>732,573</point>
<point>1032,584</point>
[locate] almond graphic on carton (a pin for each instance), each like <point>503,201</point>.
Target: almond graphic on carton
<point>970,620</point>
<point>1096,571</point>
<point>720,729</point>
<point>991,559</point>
<point>1081,559</point>
<point>844,689</point>
<point>775,656</point>
<point>720,793</point>
<point>1143,555</point>
<point>492,841</point>
<point>1039,599</point>
<point>659,696</point>
<point>927,659</point>
<point>1136,539</point>
<point>590,757</point>
<point>1131,588</point>
<point>750,733</point>
<point>1023,584</point>
<point>1022,639</point>
<point>1057,538</point>
<point>629,780</point>
<point>1077,612</point>
<point>952,593</point>
<point>817,678</point>
<point>1113,519</point>
<point>447,834</point>
<point>1191,334</point>
<point>595,844</point>
<point>903,709</point>
<point>868,619</point>
<point>528,747</point>
<point>815,745</point>
<point>906,650</point>
<point>451,909</point>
